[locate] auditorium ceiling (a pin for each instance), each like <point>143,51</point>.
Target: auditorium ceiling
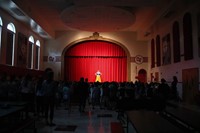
<point>48,17</point>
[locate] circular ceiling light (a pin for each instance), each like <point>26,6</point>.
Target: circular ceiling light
<point>97,18</point>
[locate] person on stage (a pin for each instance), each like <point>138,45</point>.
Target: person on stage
<point>98,76</point>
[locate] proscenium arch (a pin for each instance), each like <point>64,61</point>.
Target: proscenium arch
<point>94,38</point>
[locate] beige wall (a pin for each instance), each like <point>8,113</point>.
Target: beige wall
<point>20,27</point>
<point>164,27</point>
<point>129,40</point>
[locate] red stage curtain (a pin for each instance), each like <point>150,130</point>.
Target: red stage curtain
<point>84,59</point>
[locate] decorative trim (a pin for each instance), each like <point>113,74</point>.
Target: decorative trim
<point>51,58</point>
<point>138,59</point>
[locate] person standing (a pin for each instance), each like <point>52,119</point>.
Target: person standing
<point>39,97</point>
<point>49,87</point>
<point>174,88</point>
<point>98,76</point>
<point>66,95</point>
<point>163,90</point>
<point>95,95</point>
<point>82,94</point>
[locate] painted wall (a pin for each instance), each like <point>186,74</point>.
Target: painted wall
<point>164,26</point>
<point>22,28</point>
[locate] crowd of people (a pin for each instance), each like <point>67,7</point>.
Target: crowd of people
<point>44,94</point>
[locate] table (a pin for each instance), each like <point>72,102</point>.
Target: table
<point>13,103</point>
<point>146,121</point>
<point>8,111</point>
<point>189,117</point>
<point>12,120</point>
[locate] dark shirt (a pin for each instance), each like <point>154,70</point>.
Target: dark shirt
<point>82,89</point>
<point>49,88</point>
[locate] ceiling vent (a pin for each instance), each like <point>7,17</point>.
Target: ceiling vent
<point>168,14</point>
<point>42,33</point>
<point>17,11</point>
<point>147,34</point>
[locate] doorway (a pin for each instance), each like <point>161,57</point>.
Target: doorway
<point>142,75</point>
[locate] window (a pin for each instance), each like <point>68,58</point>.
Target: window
<point>176,42</point>
<point>10,47</point>
<point>30,52</point>
<point>158,59</point>
<point>187,34</point>
<point>198,26</point>
<point>37,54</point>
<point>1,24</point>
<point>152,53</point>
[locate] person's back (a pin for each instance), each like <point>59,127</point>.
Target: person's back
<point>95,95</point>
<point>174,88</point>
<point>83,93</point>
<point>49,87</point>
<point>112,91</point>
<point>66,92</point>
<point>121,91</point>
<point>25,85</point>
<point>96,92</point>
<point>3,89</point>
<point>163,89</point>
<point>39,97</point>
<point>82,89</point>
<point>66,95</point>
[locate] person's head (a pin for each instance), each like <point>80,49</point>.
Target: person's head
<point>175,78</point>
<point>163,80</point>
<point>82,79</point>
<point>46,72</point>
<point>50,75</point>
<point>86,79</point>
